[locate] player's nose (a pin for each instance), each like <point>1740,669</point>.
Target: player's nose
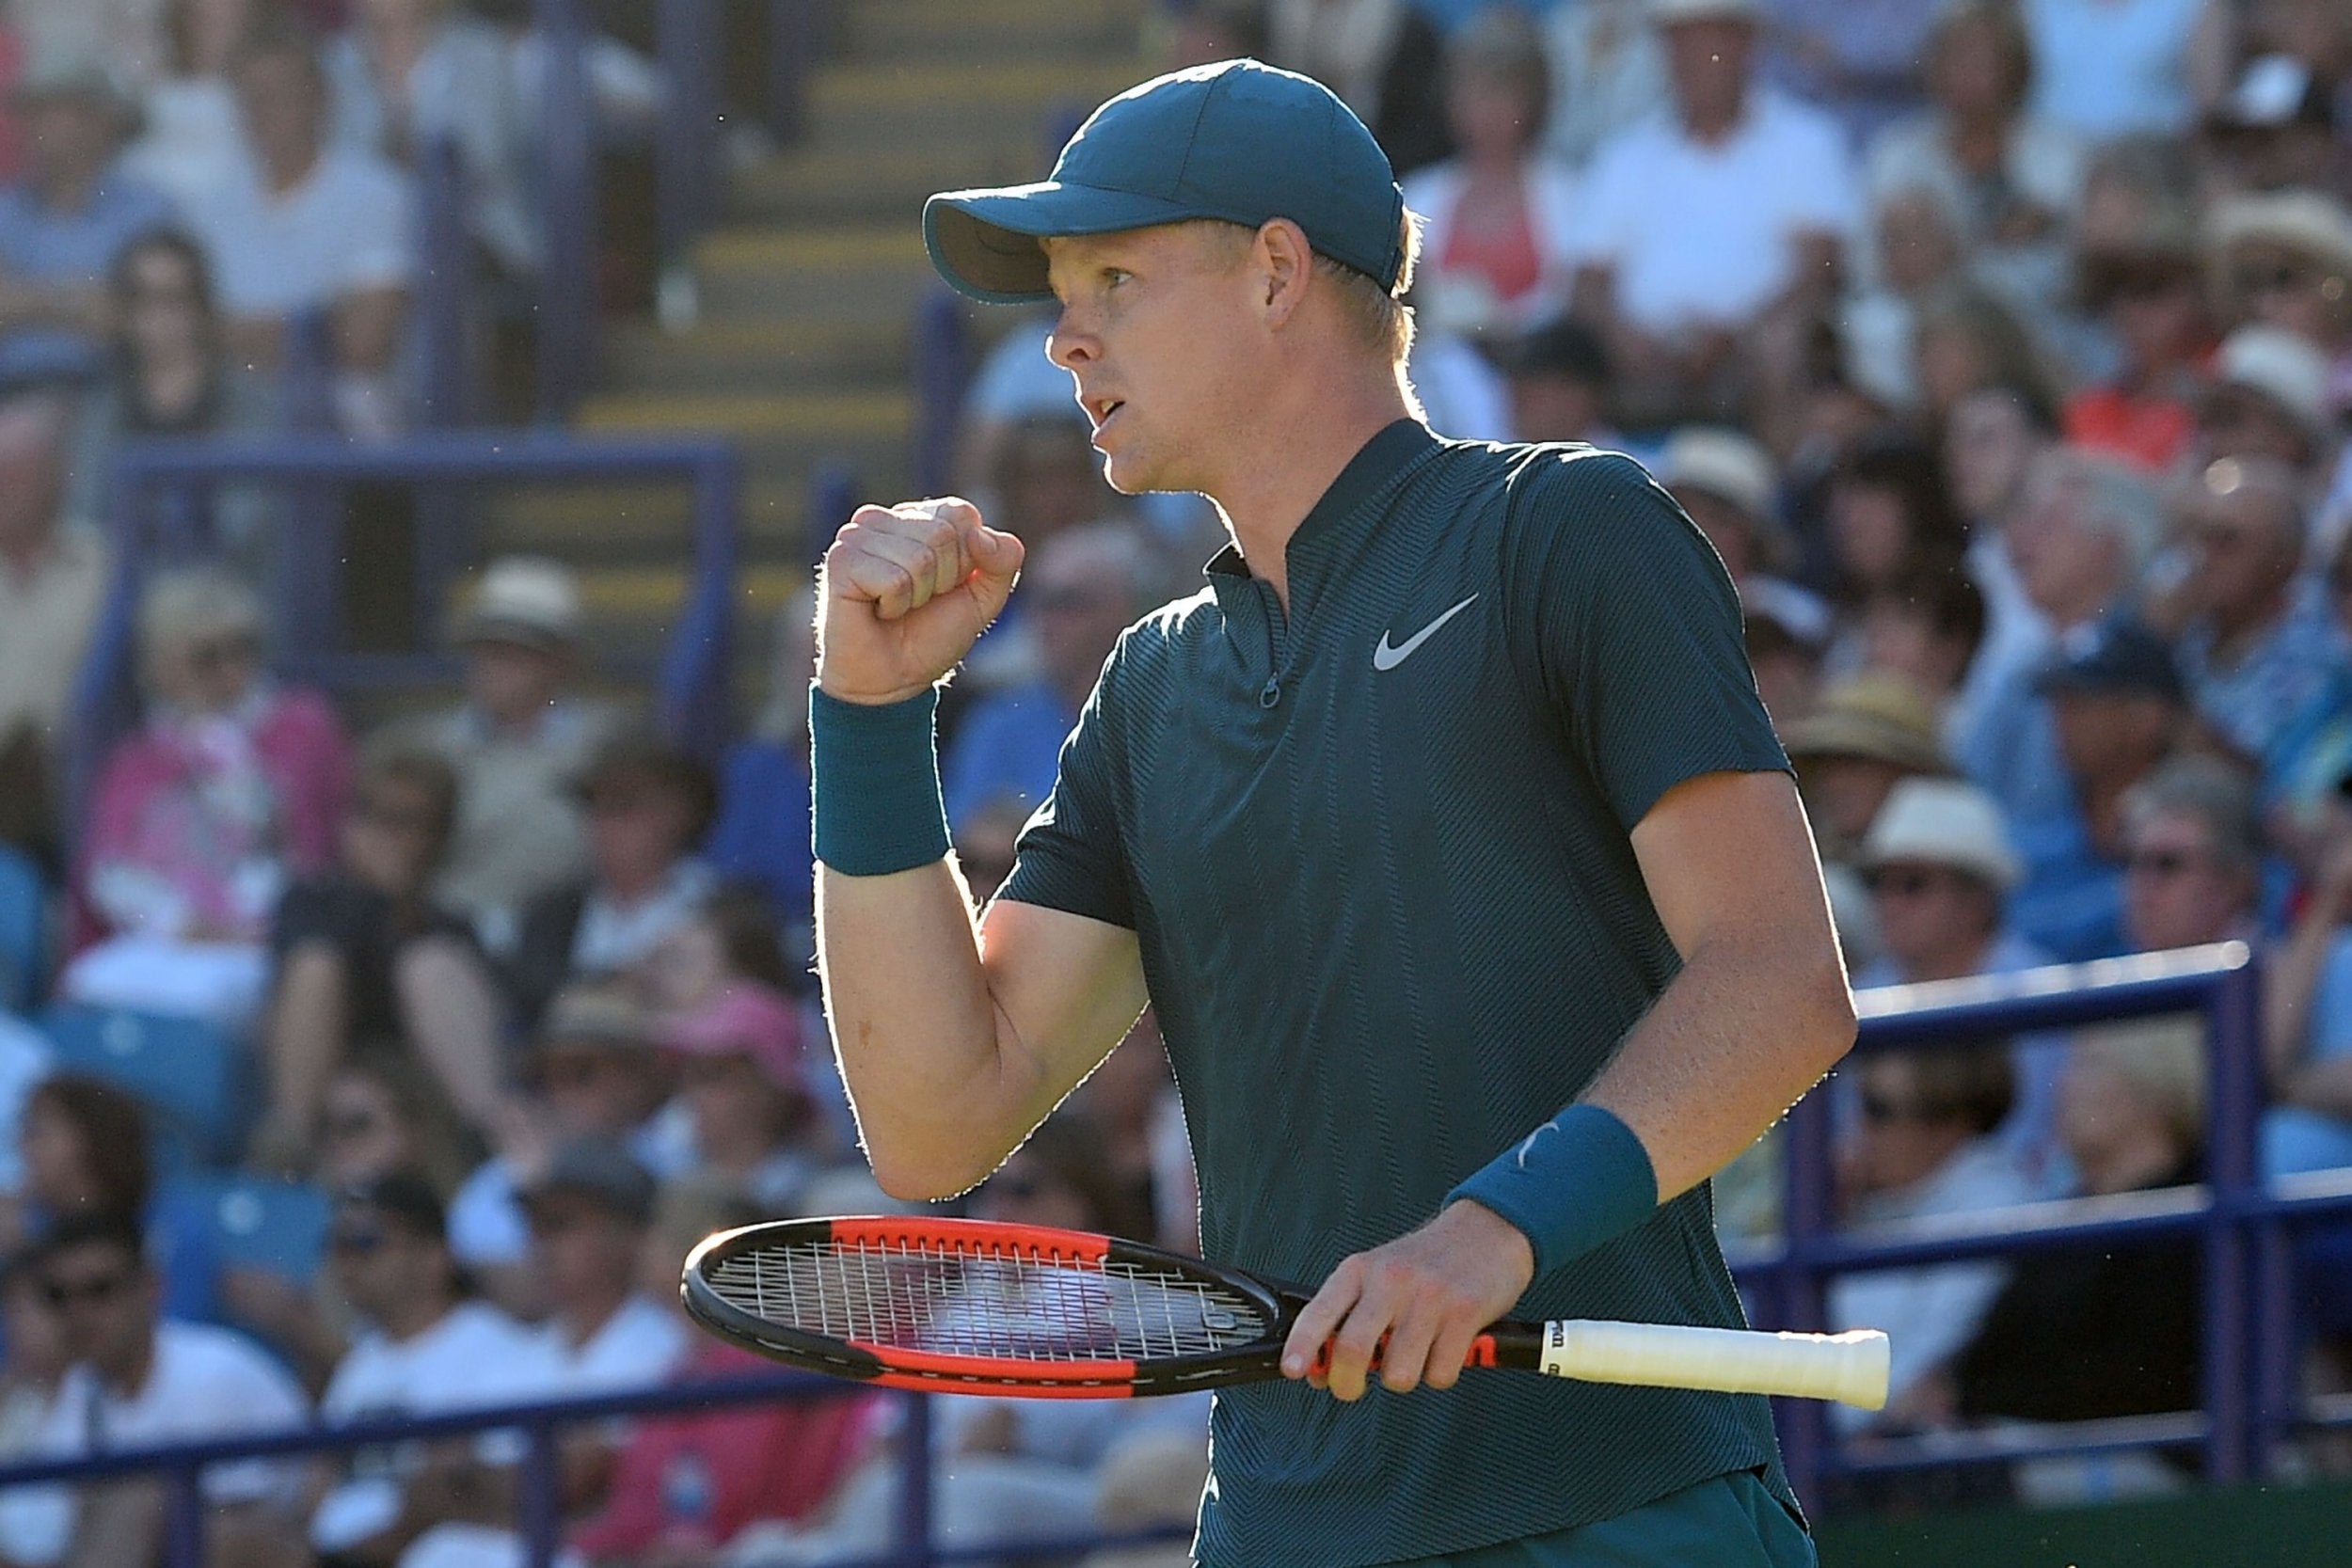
<point>1069,346</point>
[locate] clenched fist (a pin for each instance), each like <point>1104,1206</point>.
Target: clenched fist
<point>906,591</point>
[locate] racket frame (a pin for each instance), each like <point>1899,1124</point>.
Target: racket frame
<point>919,1239</point>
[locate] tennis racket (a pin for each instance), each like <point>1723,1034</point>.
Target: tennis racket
<point>973,1307</point>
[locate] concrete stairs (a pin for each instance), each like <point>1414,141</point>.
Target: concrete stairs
<point>799,350</point>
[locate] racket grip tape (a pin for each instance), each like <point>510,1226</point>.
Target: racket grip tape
<point>1850,1367</point>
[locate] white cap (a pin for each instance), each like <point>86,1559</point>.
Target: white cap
<point>2282,366</point>
<point>2305,222</point>
<point>1943,822</point>
<point>1724,463</point>
<point>1665,12</point>
<point>523,599</point>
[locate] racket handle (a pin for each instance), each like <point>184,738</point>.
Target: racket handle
<point>1849,1367</point>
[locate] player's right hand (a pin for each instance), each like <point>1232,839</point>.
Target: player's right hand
<point>906,591</point>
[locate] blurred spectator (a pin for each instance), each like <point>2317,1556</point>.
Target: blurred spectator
<point>192,138</point>
<point>63,226</point>
<point>1559,380</point>
<point>2017,177</point>
<point>2106,68</point>
<point>741,1079</point>
<point>1788,633</point>
<point>1915,252</point>
<point>363,956</point>
<point>169,374</point>
<point>405,74</point>
<point>140,1380</point>
<point>1084,588</point>
<point>33,1362</point>
<point>730,939</point>
<point>1966,340</point>
<point>1207,31</point>
<point>1697,225</point>
<point>762,837</point>
<point>1890,518</point>
<point>2268,400</point>
<point>1131,1099</point>
<point>1494,254</point>
<point>2263,644</point>
<point>230,789</point>
<point>2148,293</point>
<point>299,225</point>
<point>1940,867</point>
<point>519,743</point>
<point>383,1114</point>
<point>128,34</point>
<point>1375,55</point>
<point>594,1074</point>
<point>589,1212</point>
<point>2285,260</point>
<point>2192,857</point>
<point>690,1483</point>
<point>1869,734</point>
<point>1608,70</point>
<point>2116,697</point>
<point>1463,396</point>
<point>1726,481</point>
<point>1153,1481</point>
<point>88,1151</point>
<point>1014,383</point>
<point>1925,625</point>
<point>1922,1149</point>
<point>53,578</point>
<point>427,1349</point>
<point>1991,442</point>
<point>2083,529</point>
<point>649,805</point>
<point>2275,131</point>
<point>1857,58</point>
<point>2112,1330</point>
<point>2307,1018</point>
<point>1048,479</point>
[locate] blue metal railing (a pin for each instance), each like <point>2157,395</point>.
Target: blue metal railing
<point>2248,1316</point>
<point>2247,1332</point>
<point>160,518</point>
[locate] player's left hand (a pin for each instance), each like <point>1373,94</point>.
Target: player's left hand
<point>1426,1294</point>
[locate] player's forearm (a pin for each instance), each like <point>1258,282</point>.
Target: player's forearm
<point>914,1029</point>
<point>1749,1025</point>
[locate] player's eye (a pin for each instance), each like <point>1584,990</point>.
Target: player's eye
<point>1113,276</point>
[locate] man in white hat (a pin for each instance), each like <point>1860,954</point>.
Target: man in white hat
<point>1698,225</point>
<point>1940,867</point>
<point>2269,399</point>
<point>1726,481</point>
<point>518,742</point>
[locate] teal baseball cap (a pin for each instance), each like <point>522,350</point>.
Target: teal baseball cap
<point>1237,140</point>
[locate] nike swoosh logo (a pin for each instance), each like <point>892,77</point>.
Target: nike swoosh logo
<point>1386,658</point>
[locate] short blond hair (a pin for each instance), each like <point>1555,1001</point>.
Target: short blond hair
<point>1380,315</point>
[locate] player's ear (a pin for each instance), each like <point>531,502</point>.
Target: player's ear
<point>1284,261</point>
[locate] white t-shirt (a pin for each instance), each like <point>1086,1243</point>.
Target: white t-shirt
<point>466,1360</point>
<point>204,1383</point>
<point>637,1348</point>
<point>1704,235</point>
<point>347,229</point>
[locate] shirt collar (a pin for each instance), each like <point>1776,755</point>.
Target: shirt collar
<point>1377,462</point>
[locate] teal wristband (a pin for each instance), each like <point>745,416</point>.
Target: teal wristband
<point>1579,1180</point>
<point>875,805</point>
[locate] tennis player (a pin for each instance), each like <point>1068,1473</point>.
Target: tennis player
<point>1443,829</point>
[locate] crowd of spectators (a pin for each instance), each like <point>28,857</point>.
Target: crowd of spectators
<point>2002,348</point>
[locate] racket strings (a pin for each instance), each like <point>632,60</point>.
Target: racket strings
<point>946,1301</point>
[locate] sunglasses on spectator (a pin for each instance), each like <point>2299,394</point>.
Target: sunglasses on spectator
<point>2160,862</point>
<point>2272,280</point>
<point>355,1240</point>
<point>96,1290</point>
<point>351,1124</point>
<point>1884,1110</point>
<point>1909,881</point>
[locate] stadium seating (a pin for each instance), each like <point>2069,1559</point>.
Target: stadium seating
<point>192,1075</point>
<point>260,1222</point>
<point>23,936</point>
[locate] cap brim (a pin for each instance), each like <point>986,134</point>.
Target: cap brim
<point>985,242</point>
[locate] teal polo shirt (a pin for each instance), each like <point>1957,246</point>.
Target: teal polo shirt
<point>1376,855</point>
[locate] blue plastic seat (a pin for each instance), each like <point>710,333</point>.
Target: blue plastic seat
<point>193,1076</point>
<point>260,1222</point>
<point>23,932</point>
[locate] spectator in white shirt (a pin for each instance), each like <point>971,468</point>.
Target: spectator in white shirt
<point>139,1381</point>
<point>2108,68</point>
<point>428,1349</point>
<point>589,1213</point>
<point>302,225</point>
<point>1704,225</point>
